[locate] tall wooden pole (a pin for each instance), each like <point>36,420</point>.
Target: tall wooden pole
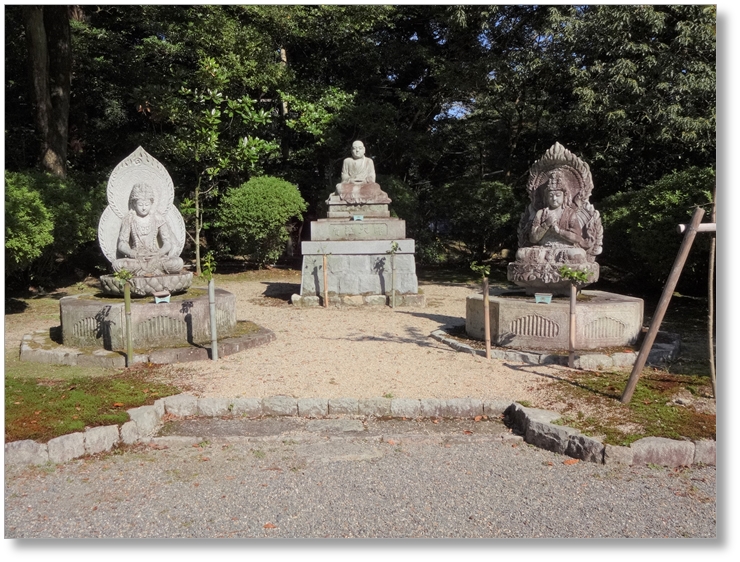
<point>572,328</point>
<point>670,286</point>
<point>129,334</point>
<point>212,313</point>
<point>486,318</point>
<point>710,298</point>
<point>326,284</point>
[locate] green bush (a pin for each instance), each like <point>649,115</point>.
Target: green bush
<point>253,218</point>
<point>640,227</point>
<point>28,224</point>
<point>74,208</point>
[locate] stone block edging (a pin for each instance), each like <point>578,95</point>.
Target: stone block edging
<point>39,348</point>
<point>659,354</point>
<point>534,424</point>
<point>537,427</point>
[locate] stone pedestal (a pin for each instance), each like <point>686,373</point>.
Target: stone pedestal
<point>101,322</point>
<point>604,320</point>
<point>359,261</point>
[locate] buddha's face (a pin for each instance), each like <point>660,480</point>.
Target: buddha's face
<point>143,206</point>
<point>358,150</point>
<point>555,198</point>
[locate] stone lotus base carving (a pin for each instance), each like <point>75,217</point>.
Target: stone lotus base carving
<point>545,277</point>
<point>145,286</point>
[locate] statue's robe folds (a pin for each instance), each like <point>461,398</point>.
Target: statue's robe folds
<point>358,183</point>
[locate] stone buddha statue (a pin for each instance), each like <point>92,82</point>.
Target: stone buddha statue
<point>560,227</point>
<point>145,238</point>
<point>358,179</point>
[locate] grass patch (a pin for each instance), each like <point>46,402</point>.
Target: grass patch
<point>42,407</point>
<point>651,411</point>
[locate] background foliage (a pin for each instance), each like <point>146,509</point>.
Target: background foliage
<point>454,103</point>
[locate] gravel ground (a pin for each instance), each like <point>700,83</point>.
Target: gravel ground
<point>310,484</point>
<point>355,352</point>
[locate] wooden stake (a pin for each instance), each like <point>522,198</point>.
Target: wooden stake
<point>572,328</point>
<point>486,318</point>
<point>670,286</point>
<point>326,284</point>
<point>129,334</point>
<point>710,299</point>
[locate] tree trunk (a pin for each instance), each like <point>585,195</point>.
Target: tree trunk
<point>48,41</point>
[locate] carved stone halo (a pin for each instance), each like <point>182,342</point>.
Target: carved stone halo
<point>575,172</point>
<point>138,167</point>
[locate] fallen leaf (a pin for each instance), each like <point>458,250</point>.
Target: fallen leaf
<point>204,459</point>
<point>447,445</point>
<point>16,402</point>
<point>467,432</point>
<point>95,508</point>
<point>515,444</point>
<point>571,461</point>
<point>37,413</point>
<point>485,417</point>
<point>435,421</point>
<point>391,442</point>
<point>478,418</point>
<point>118,404</point>
<point>270,526</point>
<point>647,402</point>
<point>196,484</point>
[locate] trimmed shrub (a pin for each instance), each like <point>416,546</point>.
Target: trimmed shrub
<point>253,218</point>
<point>28,224</point>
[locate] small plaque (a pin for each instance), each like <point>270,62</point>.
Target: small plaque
<point>358,217</point>
<point>161,296</point>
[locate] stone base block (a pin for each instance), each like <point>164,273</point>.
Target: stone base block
<point>603,320</point>
<point>415,300</point>
<point>366,229</point>
<point>100,322</point>
<point>339,209</point>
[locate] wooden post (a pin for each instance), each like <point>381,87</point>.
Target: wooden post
<point>326,284</point>
<point>670,286</point>
<point>572,327</point>
<point>212,312</point>
<point>710,298</point>
<point>129,335</point>
<point>486,318</point>
<point>393,280</point>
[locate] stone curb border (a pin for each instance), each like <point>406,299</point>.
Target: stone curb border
<point>62,355</point>
<point>535,425</point>
<point>659,354</point>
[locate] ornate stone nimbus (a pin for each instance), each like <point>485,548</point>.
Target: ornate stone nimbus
<point>560,227</point>
<point>141,230</point>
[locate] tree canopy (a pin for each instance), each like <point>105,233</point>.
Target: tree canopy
<point>454,103</point>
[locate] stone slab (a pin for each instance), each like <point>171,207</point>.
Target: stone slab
<point>26,452</point>
<point>313,407</point>
<point>348,406</point>
<point>705,452</point>
<point>616,455</point>
<point>357,247</point>
<point>146,418</point>
<point>367,229</point>
<point>66,447</point>
<point>494,407</point>
<point>181,405</point>
<point>247,407</point>
<point>405,407</point>
<point>662,451</point>
<point>606,320</point>
<point>378,407</point>
<point>280,406</point>
<point>101,439</point>
<point>129,433</point>
<point>335,426</point>
<point>462,408</point>
<point>358,274</point>
<point>214,406</point>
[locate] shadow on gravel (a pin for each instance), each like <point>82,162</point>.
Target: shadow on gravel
<point>415,336</point>
<point>277,290</point>
<point>531,370</point>
<point>441,318</point>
